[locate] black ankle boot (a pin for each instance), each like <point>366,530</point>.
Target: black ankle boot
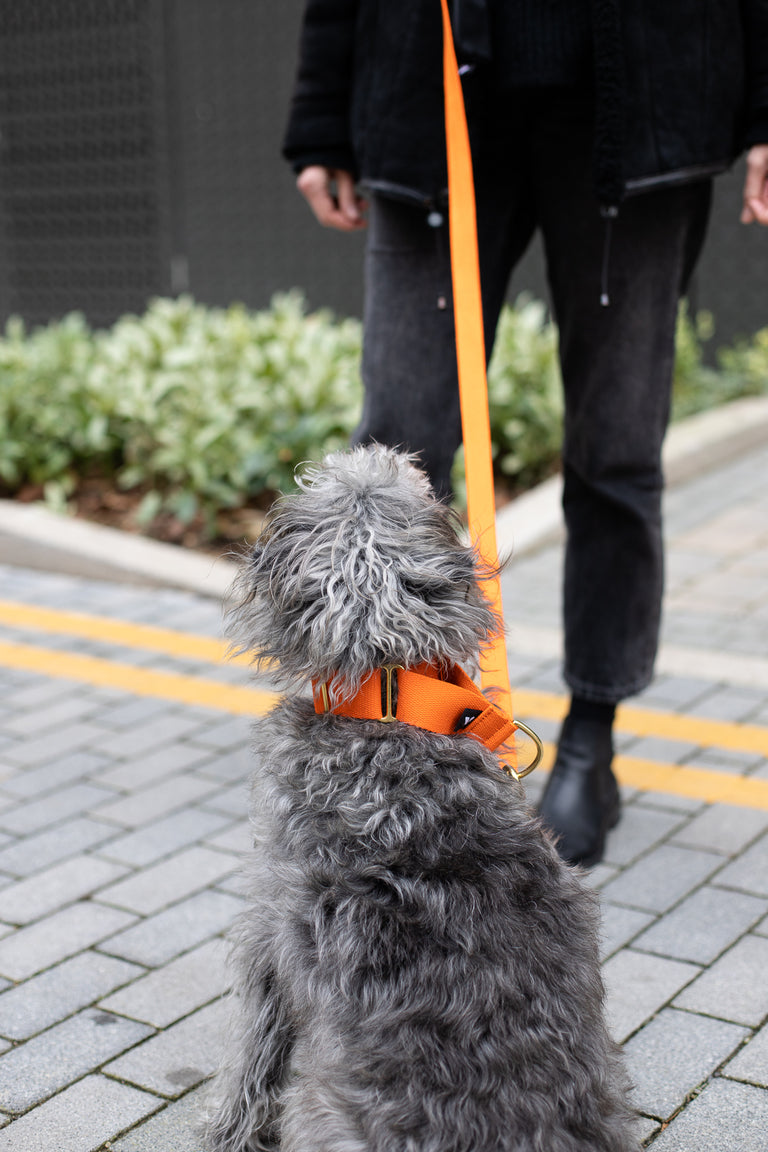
<point>581,799</point>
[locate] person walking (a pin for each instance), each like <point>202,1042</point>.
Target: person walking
<point>600,123</point>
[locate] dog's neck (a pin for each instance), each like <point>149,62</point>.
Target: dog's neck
<point>441,700</point>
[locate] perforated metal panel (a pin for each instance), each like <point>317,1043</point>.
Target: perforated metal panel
<point>81,171</point>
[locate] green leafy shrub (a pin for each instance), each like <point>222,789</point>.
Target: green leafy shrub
<point>745,365</point>
<point>202,409</point>
<point>742,369</point>
<point>525,393</point>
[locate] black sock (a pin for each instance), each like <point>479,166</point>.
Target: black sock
<point>600,713</point>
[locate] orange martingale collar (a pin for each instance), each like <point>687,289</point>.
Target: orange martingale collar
<point>446,702</point>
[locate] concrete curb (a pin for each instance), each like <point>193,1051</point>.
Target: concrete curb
<point>692,447</point>
<point>33,537</point>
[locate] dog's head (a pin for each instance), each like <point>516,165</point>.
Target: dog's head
<point>362,567</point>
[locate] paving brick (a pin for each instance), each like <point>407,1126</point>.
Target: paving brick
<point>750,871</point>
<point>674,694</point>
<point>725,760</point>
<point>73,801</point>
<point>141,738</point>
<point>226,734</point>
<point>736,704</point>
<point>152,803</point>
<point>38,895</point>
<point>657,881</point>
<point>8,745</point>
<point>726,1115</point>
<point>164,837</point>
<point>51,744</point>
<point>668,802</point>
<point>751,1063</point>
<point>638,830</point>
<point>178,1058</point>
<point>174,991</point>
<point>237,838</point>
<point>232,766</point>
<point>175,1129</point>
<point>619,925</point>
<point>34,782</point>
<point>80,1119</point>
<point>638,985</point>
<point>71,930</point>
<point>734,988</point>
<point>159,938</point>
<point>37,1069</point>
<point>136,774</point>
<point>133,712</point>
<point>664,750</point>
<point>722,828</point>
<point>34,853</point>
<point>35,1004</point>
<point>232,801</point>
<point>645,1127</point>
<point>703,926</point>
<point>54,715</point>
<point>237,885</point>
<point>162,884</point>
<point>673,1054</point>
<point>39,692</point>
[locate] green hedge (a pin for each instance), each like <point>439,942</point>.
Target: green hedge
<point>202,409</point>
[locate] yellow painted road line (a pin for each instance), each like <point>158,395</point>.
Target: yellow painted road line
<point>677,780</point>
<point>545,705</point>
<point>139,681</point>
<point>112,631</point>
<point>644,722</point>
<point>647,775</point>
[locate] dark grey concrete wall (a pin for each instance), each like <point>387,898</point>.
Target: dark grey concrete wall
<point>205,86</point>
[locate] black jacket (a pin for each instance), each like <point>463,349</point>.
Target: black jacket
<point>681,86</point>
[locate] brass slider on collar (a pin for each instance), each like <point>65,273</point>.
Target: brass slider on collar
<point>366,704</point>
<point>389,671</point>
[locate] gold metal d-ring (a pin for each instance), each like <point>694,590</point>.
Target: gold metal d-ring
<point>521,772</point>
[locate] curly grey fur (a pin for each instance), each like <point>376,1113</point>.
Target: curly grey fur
<point>417,970</point>
<point>362,568</point>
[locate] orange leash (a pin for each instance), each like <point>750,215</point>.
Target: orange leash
<point>470,356</point>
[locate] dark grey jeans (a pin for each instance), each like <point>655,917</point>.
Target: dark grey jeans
<point>616,361</point>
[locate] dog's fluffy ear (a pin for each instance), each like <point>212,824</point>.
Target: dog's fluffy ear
<point>361,567</point>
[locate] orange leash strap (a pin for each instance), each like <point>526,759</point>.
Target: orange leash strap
<point>470,356</point>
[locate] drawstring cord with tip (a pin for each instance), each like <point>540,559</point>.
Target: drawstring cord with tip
<point>609,214</point>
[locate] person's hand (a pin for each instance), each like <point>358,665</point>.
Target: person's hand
<point>756,186</point>
<point>330,193</point>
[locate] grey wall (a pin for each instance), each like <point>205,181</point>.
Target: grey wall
<point>245,229</point>
<point>140,154</point>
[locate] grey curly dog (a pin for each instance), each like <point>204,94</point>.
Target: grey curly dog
<point>417,970</point>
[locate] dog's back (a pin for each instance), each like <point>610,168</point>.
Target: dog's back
<point>438,961</point>
<point>418,970</point>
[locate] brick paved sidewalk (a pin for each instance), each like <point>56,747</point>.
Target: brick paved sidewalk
<point>122,818</point>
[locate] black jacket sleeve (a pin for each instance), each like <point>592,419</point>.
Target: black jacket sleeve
<point>756,36</point>
<point>318,129</point>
